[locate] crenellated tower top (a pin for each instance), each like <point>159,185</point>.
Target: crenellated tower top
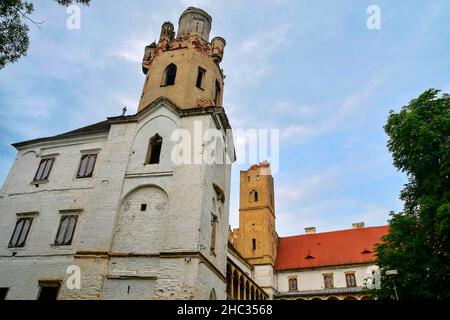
<point>185,68</point>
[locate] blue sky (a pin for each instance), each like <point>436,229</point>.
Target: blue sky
<point>309,68</point>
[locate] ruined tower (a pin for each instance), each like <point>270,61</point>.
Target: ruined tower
<point>185,68</point>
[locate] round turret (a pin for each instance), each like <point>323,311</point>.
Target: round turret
<point>194,21</point>
<point>167,30</point>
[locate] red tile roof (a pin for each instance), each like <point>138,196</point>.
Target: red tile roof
<point>352,246</point>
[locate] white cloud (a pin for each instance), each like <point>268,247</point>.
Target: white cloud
<point>131,50</point>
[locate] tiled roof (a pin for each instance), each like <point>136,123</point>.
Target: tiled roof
<point>344,247</point>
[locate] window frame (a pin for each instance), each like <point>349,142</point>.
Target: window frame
<point>91,174</point>
<point>4,293</point>
<point>153,142</point>
<point>353,276</point>
<point>217,93</point>
<point>24,241</point>
<point>166,78</point>
<point>44,178</point>
<point>69,242</point>
<point>49,284</point>
<point>295,280</point>
<point>201,73</point>
<point>330,275</point>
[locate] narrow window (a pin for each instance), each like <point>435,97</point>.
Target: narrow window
<point>256,196</point>
<point>66,230</point>
<point>154,150</point>
<point>328,281</point>
<point>248,179</point>
<point>293,284</point>
<point>214,221</point>
<point>351,280</point>
<point>170,75</point>
<point>200,76</point>
<point>45,166</point>
<point>143,207</point>
<point>49,291</point>
<point>258,177</point>
<point>253,244</point>
<point>20,234</point>
<point>3,293</point>
<point>87,165</point>
<point>218,92</point>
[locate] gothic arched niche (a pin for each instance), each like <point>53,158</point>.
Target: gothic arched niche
<point>139,222</point>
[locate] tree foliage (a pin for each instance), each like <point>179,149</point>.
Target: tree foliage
<point>14,20</point>
<point>418,243</point>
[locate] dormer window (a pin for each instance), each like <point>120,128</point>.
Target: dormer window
<point>170,75</point>
<point>366,251</point>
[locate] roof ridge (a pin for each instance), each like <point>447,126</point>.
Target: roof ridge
<point>335,231</point>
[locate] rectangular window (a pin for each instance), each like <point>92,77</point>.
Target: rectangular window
<point>328,281</point>
<point>66,230</point>
<point>293,284</point>
<point>20,234</point>
<point>350,279</point>
<point>254,244</point>
<point>200,76</point>
<point>3,293</point>
<point>45,166</point>
<point>87,165</point>
<point>49,291</point>
<point>218,92</point>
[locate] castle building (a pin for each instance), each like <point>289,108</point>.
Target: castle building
<point>120,209</point>
<point>109,202</point>
<point>335,265</point>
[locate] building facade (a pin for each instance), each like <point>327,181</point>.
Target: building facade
<point>116,202</point>
<point>335,265</point>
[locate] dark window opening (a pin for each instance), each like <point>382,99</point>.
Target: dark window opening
<point>45,166</point>
<point>87,165</point>
<point>66,230</point>
<point>143,207</point>
<point>49,291</point>
<point>200,76</point>
<point>292,284</point>
<point>20,234</point>
<point>154,150</point>
<point>218,93</point>
<point>170,76</point>
<point>3,293</point>
<point>254,244</point>
<point>351,280</point>
<point>256,196</point>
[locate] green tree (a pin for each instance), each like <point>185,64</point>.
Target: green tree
<point>14,20</point>
<point>418,242</point>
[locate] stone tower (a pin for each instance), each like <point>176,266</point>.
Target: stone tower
<point>185,68</point>
<point>114,200</point>
<point>256,238</point>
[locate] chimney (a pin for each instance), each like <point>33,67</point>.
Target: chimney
<point>310,230</point>
<point>358,225</point>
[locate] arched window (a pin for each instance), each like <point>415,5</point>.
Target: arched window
<point>218,93</point>
<point>253,196</point>
<point>170,75</point>
<point>212,295</point>
<point>154,150</point>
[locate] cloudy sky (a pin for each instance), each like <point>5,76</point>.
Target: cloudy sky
<point>311,69</point>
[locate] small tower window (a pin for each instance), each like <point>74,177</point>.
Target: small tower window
<point>170,75</point>
<point>253,244</point>
<point>200,76</point>
<point>154,150</point>
<point>255,196</point>
<point>214,221</point>
<point>218,93</point>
